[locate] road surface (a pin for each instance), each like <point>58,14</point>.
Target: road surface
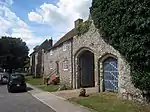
<point>20,102</point>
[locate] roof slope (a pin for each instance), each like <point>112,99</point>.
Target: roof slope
<point>46,45</point>
<point>66,37</point>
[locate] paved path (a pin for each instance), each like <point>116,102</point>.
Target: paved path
<point>56,103</point>
<point>20,102</point>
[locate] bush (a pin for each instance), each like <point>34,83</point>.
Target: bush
<point>125,24</point>
<point>55,80</point>
<point>83,28</point>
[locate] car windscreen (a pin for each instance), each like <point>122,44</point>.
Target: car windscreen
<point>17,77</point>
<point>5,74</point>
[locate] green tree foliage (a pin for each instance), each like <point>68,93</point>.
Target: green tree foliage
<point>13,53</point>
<point>125,24</point>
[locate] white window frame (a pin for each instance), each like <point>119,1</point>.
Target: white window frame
<point>51,65</point>
<point>51,52</point>
<point>65,46</point>
<point>65,65</point>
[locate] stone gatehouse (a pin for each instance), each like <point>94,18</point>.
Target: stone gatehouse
<point>88,61</point>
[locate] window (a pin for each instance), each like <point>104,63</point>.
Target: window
<point>65,65</point>
<point>46,57</point>
<point>51,52</point>
<point>51,64</point>
<point>65,47</point>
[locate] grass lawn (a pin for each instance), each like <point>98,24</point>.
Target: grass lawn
<point>34,81</point>
<point>50,88</point>
<point>38,82</point>
<point>108,102</point>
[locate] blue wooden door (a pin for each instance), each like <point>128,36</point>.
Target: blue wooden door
<point>110,74</point>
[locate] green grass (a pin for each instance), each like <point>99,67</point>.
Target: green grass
<point>50,88</point>
<point>38,82</point>
<point>108,102</point>
<point>34,81</point>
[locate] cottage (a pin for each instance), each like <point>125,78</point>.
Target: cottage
<point>37,58</point>
<point>88,61</point>
<point>58,60</point>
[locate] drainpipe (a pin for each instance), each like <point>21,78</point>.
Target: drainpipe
<point>98,76</point>
<point>72,63</point>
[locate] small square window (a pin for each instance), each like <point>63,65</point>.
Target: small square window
<point>51,52</point>
<point>51,64</point>
<point>65,47</point>
<point>65,65</point>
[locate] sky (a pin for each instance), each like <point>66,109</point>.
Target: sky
<point>36,20</point>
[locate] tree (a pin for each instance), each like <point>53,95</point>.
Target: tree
<point>125,24</point>
<point>13,53</point>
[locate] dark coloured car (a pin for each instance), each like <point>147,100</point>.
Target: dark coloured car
<point>16,82</point>
<point>4,77</point>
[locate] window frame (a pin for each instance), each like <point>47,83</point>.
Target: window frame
<point>66,65</point>
<point>65,46</point>
<point>51,52</point>
<point>51,65</point>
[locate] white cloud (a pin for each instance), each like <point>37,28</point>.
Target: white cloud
<point>62,15</point>
<point>35,17</point>
<point>11,25</point>
<point>6,2</point>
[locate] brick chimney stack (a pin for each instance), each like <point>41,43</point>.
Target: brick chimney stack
<point>51,42</point>
<point>78,22</point>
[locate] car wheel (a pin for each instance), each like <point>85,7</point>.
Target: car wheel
<point>25,89</point>
<point>4,80</point>
<point>9,89</point>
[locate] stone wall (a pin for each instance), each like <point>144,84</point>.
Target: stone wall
<point>36,62</point>
<point>31,65</point>
<point>59,55</point>
<point>93,41</point>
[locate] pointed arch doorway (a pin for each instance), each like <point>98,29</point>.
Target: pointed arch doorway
<point>108,67</point>
<point>85,69</point>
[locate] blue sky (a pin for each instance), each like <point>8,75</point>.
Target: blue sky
<point>22,7</point>
<point>37,20</point>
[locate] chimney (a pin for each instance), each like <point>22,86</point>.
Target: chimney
<point>51,42</point>
<point>78,22</point>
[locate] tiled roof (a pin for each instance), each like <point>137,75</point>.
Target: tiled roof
<point>66,37</point>
<point>45,45</point>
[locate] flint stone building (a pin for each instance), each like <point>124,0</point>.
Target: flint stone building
<point>88,61</point>
<point>37,58</point>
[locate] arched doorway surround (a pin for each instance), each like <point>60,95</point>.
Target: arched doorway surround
<point>108,73</point>
<point>84,68</point>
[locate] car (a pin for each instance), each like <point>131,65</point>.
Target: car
<point>16,82</point>
<point>4,77</point>
<point>23,73</point>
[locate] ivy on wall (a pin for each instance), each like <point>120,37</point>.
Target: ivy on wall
<point>125,24</point>
<point>83,28</point>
